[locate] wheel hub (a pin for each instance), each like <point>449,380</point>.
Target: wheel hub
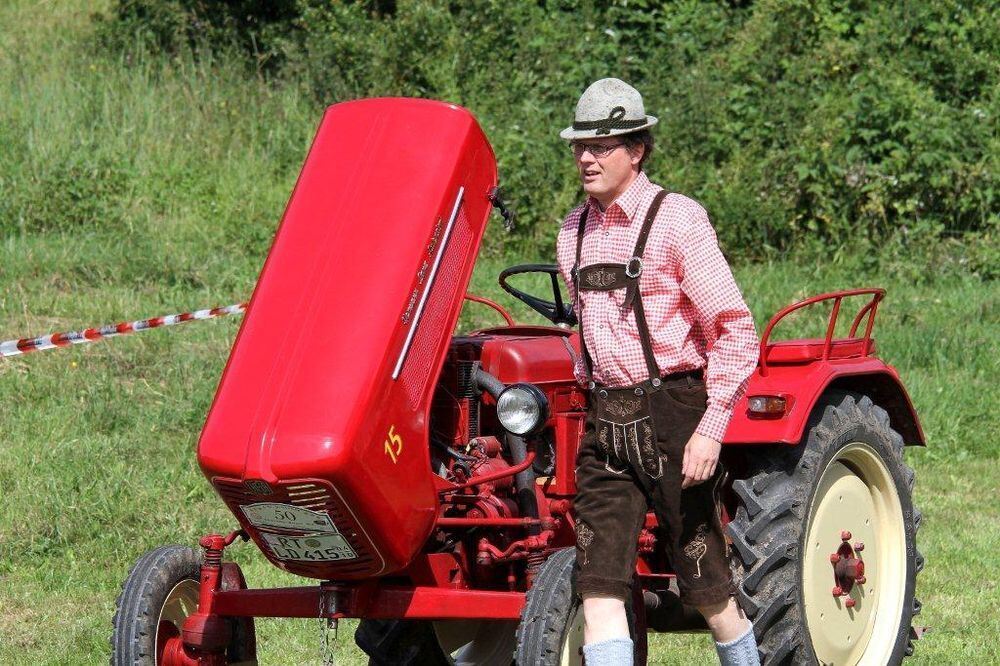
<point>848,567</point>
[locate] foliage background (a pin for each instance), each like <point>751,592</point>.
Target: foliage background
<point>834,125</point>
<point>147,151</point>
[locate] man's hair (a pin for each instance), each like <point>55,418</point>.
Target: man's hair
<point>643,138</point>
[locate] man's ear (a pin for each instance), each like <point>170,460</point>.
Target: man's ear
<point>636,152</point>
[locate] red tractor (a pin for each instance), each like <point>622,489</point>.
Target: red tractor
<point>425,481</point>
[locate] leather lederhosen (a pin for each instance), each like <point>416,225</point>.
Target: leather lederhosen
<point>625,428</point>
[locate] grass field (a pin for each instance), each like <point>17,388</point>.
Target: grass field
<point>129,190</point>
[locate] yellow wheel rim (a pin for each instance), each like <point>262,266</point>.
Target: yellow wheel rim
<point>572,647</point>
<point>181,602</point>
<point>486,642</point>
<point>856,493</point>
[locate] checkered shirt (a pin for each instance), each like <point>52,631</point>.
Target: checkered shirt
<point>695,312</point>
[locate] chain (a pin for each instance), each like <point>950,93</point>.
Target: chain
<point>327,608</point>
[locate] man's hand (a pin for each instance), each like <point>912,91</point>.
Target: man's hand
<point>701,455</point>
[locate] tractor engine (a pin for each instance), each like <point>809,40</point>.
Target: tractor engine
<point>508,488</point>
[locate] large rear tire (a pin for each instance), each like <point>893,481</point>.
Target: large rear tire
<point>160,592</point>
<point>790,533</point>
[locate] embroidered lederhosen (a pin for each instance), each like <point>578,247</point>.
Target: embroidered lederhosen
<point>626,430</point>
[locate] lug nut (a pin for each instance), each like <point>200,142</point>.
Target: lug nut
<point>859,546</point>
<point>834,558</point>
<point>845,536</point>
<point>850,603</point>
<point>837,591</point>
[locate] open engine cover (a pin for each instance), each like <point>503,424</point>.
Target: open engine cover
<point>324,402</point>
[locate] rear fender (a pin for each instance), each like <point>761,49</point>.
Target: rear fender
<point>805,388</point>
<point>887,392</point>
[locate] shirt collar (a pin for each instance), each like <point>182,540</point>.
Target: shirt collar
<point>627,201</point>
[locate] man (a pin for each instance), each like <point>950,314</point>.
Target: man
<point>653,291</point>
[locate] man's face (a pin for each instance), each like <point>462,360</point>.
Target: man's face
<point>607,176</point>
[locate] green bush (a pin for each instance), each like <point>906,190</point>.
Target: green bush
<point>831,124</point>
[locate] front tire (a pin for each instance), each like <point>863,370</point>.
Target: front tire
<point>802,511</point>
<point>160,592</point>
<point>551,629</point>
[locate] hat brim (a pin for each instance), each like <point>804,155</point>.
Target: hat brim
<point>571,134</point>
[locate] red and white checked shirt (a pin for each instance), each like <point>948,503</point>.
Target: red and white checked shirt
<point>688,291</point>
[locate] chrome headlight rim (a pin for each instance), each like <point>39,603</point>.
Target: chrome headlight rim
<point>537,396</point>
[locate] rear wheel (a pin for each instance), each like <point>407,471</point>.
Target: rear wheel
<point>825,540</point>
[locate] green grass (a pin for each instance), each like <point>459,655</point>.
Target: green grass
<point>134,189</point>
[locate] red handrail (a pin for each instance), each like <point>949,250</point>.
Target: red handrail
<point>837,296</point>
<point>496,306</point>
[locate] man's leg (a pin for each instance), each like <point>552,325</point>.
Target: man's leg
<point>610,509</point>
<point>725,620</point>
<point>604,618</point>
<point>606,635</point>
<point>733,633</point>
<point>695,543</point>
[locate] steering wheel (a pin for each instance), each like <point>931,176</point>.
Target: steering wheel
<point>556,310</point>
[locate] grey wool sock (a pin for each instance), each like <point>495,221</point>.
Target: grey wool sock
<point>740,651</point>
<point>612,652</point>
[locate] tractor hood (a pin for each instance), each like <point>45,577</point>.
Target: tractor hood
<point>324,401</point>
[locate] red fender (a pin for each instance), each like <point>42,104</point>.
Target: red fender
<point>804,386</point>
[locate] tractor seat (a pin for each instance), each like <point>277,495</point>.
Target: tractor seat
<point>811,349</point>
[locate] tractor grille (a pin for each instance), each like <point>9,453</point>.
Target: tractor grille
<point>315,495</point>
<point>420,361</point>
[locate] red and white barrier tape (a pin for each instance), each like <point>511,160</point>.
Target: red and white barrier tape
<point>25,345</point>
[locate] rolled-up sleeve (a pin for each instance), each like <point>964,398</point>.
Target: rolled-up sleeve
<point>725,320</point>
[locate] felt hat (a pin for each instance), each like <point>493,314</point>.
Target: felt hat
<point>606,108</point>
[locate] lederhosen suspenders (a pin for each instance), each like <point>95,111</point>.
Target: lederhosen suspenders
<point>608,276</point>
<point>625,428</point>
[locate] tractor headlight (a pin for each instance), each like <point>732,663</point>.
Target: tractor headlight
<point>522,408</point>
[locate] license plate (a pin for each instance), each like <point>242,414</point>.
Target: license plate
<point>288,517</point>
<point>319,548</point>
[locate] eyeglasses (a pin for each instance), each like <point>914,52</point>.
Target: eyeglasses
<point>598,150</point>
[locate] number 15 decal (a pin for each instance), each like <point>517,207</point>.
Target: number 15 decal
<point>393,444</point>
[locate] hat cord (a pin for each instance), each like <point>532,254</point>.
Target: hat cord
<point>615,120</point>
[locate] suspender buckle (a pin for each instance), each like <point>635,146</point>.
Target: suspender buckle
<point>637,271</point>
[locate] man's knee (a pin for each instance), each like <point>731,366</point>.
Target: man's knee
<point>725,619</point>
<point>602,608</point>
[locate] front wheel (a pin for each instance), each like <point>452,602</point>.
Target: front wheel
<point>551,629</point>
<point>161,591</point>
<point>825,536</point>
